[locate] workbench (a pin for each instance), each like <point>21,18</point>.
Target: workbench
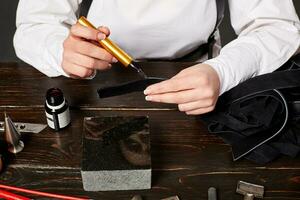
<point>186,159</point>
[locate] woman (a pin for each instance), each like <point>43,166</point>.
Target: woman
<point>49,39</point>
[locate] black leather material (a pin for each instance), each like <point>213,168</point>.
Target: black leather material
<point>259,118</point>
<point>134,86</point>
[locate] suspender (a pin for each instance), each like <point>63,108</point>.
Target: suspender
<point>198,53</point>
<point>220,16</point>
<point>84,7</point>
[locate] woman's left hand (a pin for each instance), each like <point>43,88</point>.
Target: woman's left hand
<point>195,90</point>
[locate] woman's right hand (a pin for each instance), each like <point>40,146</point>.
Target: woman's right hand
<point>80,56</point>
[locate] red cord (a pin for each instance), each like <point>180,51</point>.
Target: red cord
<point>40,193</point>
<point>10,196</point>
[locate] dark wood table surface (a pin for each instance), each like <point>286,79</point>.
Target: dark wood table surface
<point>186,159</point>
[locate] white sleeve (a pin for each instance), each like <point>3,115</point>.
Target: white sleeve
<point>42,26</point>
<point>269,34</point>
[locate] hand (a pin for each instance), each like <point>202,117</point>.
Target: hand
<point>195,90</point>
<point>80,56</point>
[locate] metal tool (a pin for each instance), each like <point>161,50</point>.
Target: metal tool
<point>114,49</point>
<point>12,136</point>
<point>212,193</point>
<point>137,197</point>
<point>249,190</point>
<point>25,127</point>
<point>172,198</point>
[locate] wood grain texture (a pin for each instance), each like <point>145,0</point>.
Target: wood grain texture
<point>22,85</point>
<point>186,160</point>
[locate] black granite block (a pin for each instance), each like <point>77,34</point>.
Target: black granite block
<point>116,154</point>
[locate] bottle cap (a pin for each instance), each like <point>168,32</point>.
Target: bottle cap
<point>54,97</point>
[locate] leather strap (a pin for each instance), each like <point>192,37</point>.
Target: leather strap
<point>134,86</point>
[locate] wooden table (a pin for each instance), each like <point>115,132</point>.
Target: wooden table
<point>186,159</point>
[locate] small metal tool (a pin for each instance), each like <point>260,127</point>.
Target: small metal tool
<point>25,127</point>
<point>137,197</point>
<point>12,136</point>
<point>172,198</point>
<point>249,190</point>
<point>212,193</point>
<point>114,49</point>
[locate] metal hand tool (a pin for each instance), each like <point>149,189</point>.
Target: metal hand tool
<point>172,198</point>
<point>249,190</point>
<point>12,136</point>
<point>25,127</point>
<point>114,49</point>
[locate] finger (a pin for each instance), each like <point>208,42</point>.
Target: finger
<point>87,62</point>
<point>104,30</point>
<point>86,32</point>
<point>76,70</point>
<point>180,97</point>
<point>201,111</point>
<point>171,85</point>
<point>91,50</point>
<point>204,103</point>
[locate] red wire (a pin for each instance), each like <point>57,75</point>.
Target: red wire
<point>40,193</point>
<point>10,196</point>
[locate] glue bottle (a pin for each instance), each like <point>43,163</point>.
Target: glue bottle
<point>57,109</point>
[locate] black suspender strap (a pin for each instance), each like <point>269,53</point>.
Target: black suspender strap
<point>207,48</point>
<point>220,15</point>
<point>85,7</point>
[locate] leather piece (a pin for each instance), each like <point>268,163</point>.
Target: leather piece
<point>259,117</point>
<point>134,86</point>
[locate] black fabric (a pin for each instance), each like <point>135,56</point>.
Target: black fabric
<point>259,118</point>
<point>134,86</point>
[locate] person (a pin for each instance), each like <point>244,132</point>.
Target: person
<point>48,38</point>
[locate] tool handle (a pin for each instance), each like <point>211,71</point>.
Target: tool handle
<point>212,193</point>
<point>109,45</point>
<point>249,197</point>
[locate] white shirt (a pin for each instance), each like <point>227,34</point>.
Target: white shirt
<point>269,32</point>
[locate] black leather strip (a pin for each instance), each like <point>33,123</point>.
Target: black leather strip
<point>134,86</point>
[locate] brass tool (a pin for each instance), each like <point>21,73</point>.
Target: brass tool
<point>114,49</point>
